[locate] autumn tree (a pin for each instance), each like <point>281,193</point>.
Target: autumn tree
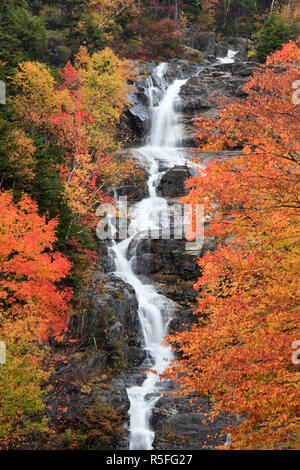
<point>105,12</point>
<point>79,115</point>
<point>33,308</point>
<point>238,352</point>
<point>29,271</point>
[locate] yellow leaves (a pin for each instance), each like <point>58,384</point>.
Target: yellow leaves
<point>104,90</point>
<point>20,151</point>
<point>79,114</point>
<point>20,389</point>
<point>82,58</point>
<point>36,85</point>
<point>104,12</point>
<point>117,171</point>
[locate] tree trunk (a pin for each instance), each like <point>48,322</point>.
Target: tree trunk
<point>176,12</point>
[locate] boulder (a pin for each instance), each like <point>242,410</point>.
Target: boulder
<point>181,68</point>
<point>242,43</point>
<point>241,56</point>
<point>220,67</point>
<point>233,84</point>
<point>194,95</point>
<point>172,184</point>
<point>222,49</point>
<point>133,193</point>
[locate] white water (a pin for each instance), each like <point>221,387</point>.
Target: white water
<point>229,59</point>
<point>154,310</point>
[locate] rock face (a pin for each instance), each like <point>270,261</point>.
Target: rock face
<point>89,383</point>
<point>117,301</point>
<point>203,91</point>
<point>195,95</point>
<point>206,76</point>
<point>182,426</point>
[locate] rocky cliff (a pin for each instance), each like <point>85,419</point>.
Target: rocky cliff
<point>166,263</point>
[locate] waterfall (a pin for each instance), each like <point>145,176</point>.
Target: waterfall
<point>229,59</point>
<point>154,310</point>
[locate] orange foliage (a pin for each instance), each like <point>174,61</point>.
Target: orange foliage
<point>239,349</point>
<point>291,11</point>
<point>30,271</point>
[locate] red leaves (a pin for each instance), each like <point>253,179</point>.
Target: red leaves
<point>70,79</point>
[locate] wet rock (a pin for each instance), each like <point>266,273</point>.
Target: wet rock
<point>194,95</point>
<point>138,111</point>
<point>241,56</point>
<point>136,356</point>
<point>165,257</point>
<point>222,49</point>
<point>245,69</point>
<point>172,184</point>
<point>133,193</point>
<point>182,69</point>
<point>210,58</point>
<point>188,132</point>
<point>140,115</point>
<point>180,425</point>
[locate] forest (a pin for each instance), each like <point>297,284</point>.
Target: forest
<point>168,103</point>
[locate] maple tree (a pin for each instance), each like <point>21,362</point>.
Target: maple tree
<point>239,349</point>
<point>30,270</point>
<point>33,308</point>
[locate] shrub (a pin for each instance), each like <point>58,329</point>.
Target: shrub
<point>158,40</point>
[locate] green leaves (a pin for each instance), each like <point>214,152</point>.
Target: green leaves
<point>275,31</point>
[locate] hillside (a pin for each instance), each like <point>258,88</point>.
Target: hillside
<point>149,241</point>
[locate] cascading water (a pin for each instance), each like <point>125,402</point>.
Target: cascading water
<point>154,310</point>
<point>229,59</point>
